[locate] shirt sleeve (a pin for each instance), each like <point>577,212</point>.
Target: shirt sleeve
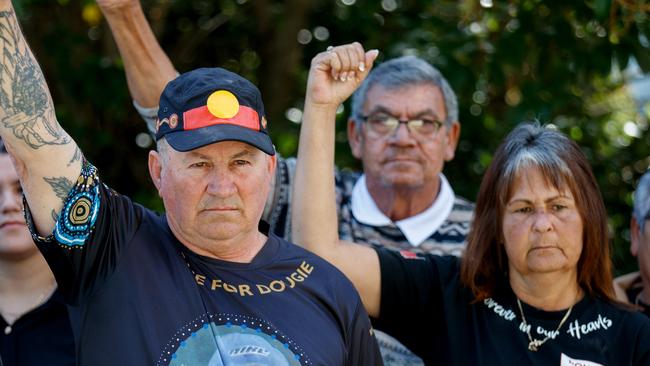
<point>362,348</point>
<point>90,234</point>
<point>411,299</point>
<point>149,115</point>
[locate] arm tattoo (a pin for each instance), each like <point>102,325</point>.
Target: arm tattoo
<point>60,185</point>
<point>76,156</point>
<point>24,98</point>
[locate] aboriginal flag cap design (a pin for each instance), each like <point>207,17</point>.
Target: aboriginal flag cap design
<point>210,105</point>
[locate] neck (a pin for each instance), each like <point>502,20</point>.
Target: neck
<point>399,203</point>
<point>24,275</point>
<point>232,250</point>
<point>547,291</point>
<point>643,296</point>
<point>25,284</point>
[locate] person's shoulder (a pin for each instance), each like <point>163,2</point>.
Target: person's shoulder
<point>463,204</point>
<point>407,258</point>
<point>623,314</point>
<point>293,252</point>
<point>290,252</point>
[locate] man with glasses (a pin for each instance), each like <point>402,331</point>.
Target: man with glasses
<point>403,127</point>
<point>635,287</point>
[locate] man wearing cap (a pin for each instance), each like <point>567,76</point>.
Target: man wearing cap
<point>204,283</point>
<point>401,201</point>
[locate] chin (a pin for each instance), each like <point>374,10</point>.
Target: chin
<point>15,251</point>
<point>547,264</point>
<point>402,182</point>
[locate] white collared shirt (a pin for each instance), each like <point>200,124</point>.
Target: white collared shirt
<point>416,228</point>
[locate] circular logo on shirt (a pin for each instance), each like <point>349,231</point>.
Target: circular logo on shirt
<point>229,344</point>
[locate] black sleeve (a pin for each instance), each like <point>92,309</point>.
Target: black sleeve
<point>642,345</point>
<point>362,345</point>
<point>94,226</point>
<point>411,299</point>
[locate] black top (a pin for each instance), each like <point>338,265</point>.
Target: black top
<point>41,337</point>
<point>633,294</point>
<point>145,299</point>
<point>444,327</point>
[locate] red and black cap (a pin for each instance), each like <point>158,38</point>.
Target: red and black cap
<point>210,105</point>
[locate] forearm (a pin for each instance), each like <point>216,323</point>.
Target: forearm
<point>314,220</point>
<point>46,158</point>
<point>148,69</point>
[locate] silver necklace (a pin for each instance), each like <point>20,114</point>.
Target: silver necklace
<point>535,344</point>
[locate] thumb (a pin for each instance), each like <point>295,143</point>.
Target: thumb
<point>370,57</point>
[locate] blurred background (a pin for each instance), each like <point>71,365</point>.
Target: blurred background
<point>579,65</point>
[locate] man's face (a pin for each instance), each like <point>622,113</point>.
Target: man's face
<point>641,247</point>
<point>404,159</point>
<point>15,240</point>
<point>214,193</point>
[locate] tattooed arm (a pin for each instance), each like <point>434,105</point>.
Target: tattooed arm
<point>47,160</point>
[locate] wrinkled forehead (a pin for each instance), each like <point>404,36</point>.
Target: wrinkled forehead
<point>410,99</point>
<point>556,176</point>
<point>219,150</point>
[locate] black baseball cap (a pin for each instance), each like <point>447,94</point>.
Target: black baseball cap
<point>210,105</point>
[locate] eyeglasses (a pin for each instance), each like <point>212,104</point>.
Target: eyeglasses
<point>385,124</point>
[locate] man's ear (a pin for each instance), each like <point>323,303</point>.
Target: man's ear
<point>155,169</point>
<point>355,138</point>
<point>452,136</point>
<point>272,164</point>
<point>635,231</point>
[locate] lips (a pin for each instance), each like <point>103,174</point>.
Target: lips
<point>220,209</point>
<point>12,223</point>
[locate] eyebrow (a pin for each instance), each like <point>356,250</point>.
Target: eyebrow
<point>386,110</point>
<point>246,152</point>
<point>550,199</point>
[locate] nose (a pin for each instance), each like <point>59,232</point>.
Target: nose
<point>542,221</point>
<point>10,201</point>
<point>402,136</point>
<point>221,185</point>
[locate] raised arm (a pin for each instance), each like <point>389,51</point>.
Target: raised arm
<point>47,160</point>
<point>148,69</point>
<point>333,77</point>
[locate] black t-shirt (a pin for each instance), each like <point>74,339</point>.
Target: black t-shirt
<point>145,299</point>
<point>461,332</point>
<point>41,337</point>
<point>633,294</point>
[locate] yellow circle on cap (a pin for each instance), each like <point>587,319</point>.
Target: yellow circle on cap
<point>223,104</point>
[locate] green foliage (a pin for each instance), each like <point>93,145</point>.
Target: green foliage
<point>515,61</point>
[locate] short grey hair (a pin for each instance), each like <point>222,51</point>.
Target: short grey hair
<point>642,199</point>
<point>162,146</point>
<point>405,71</point>
<point>532,145</point>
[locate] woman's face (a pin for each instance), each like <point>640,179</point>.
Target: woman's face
<point>542,227</point>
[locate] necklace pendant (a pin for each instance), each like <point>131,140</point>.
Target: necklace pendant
<point>533,345</point>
